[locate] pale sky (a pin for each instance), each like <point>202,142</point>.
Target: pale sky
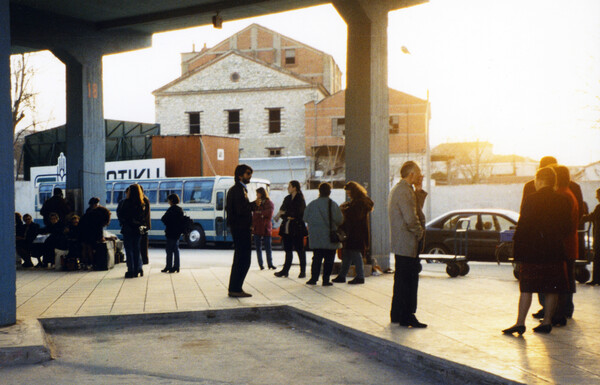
<point>524,75</point>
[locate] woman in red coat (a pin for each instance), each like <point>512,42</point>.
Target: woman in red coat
<point>262,213</point>
<point>539,244</point>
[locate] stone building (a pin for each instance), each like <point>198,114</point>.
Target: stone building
<point>252,86</point>
<point>325,144</point>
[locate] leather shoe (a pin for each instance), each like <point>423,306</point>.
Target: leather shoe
<point>165,270</point>
<point>559,321</point>
<point>327,283</point>
<point>519,329</point>
<point>280,274</point>
<point>592,283</point>
<point>413,322</point>
<point>356,281</point>
<point>311,282</point>
<point>302,275</point>
<point>239,294</point>
<point>338,279</point>
<point>545,329</point>
<point>539,314</point>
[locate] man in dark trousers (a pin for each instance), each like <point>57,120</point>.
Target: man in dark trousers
<point>529,189</point>
<point>56,204</point>
<point>239,221</point>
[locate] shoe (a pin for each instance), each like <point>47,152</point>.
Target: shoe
<point>592,283</point>
<point>311,282</point>
<point>519,329</point>
<point>539,314</point>
<point>174,270</point>
<point>27,265</point>
<point>272,267</point>
<point>545,329</point>
<point>356,281</point>
<point>280,274</point>
<point>327,283</point>
<point>559,321</point>
<point>165,270</point>
<point>302,275</point>
<point>239,294</point>
<point>339,279</point>
<point>262,267</point>
<point>412,322</point>
<point>141,273</point>
<point>129,275</point>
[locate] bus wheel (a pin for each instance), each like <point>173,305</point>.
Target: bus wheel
<point>196,238</point>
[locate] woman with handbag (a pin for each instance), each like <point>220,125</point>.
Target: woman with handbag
<point>323,217</point>
<point>262,214</point>
<point>356,226</point>
<point>292,229</point>
<point>132,217</point>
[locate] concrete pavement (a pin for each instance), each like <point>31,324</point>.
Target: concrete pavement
<point>465,314</point>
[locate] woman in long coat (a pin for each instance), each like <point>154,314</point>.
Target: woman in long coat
<point>174,227</point>
<point>322,215</point>
<point>539,245</point>
<point>132,216</point>
<point>262,214</point>
<point>292,229</point>
<point>356,225</point>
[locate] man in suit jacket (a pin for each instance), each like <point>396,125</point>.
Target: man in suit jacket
<point>239,220</point>
<point>406,232</point>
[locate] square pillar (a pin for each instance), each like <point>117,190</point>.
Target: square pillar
<point>85,131</point>
<point>8,299</point>
<point>367,118</point>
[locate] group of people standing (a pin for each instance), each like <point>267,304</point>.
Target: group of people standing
<point>547,244</point>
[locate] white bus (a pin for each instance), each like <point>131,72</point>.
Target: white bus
<point>202,199</point>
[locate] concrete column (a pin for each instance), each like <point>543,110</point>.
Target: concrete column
<point>367,121</point>
<point>8,299</point>
<point>85,132</point>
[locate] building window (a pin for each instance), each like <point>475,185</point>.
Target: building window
<point>394,124</point>
<point>275,151</point>
<point>338,126</point>
<point>233,121</point>
<point>290,56</point>
<point>274,120</point>
<point>194,122</point>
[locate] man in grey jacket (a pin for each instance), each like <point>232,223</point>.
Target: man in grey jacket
<point>407,228</point>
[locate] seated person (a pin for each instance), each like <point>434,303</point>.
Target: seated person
<point>72,232</point>
<point>92,225</point>
<point>56,240</point>
<point>25,237</point>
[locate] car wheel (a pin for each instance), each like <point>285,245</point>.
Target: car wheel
<point>464,268</point>
<point>436,249</point>
<point>196,238</point>
<point>582,275</point>
<point>453,269</point>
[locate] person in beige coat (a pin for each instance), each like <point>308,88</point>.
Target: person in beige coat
<point>406,234</point>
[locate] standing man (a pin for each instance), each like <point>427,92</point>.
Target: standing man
<point>406,234</point>
<point>56,204</point>
<point>239,221</point>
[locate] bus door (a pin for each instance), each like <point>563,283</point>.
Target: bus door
<point>220,216</point>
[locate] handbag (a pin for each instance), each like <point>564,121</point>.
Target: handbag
<point>338,235</point>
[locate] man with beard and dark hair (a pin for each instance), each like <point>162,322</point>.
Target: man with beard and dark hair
<point>239,221</point>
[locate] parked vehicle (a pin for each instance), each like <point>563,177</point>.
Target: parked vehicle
<point>483,232</point>
<point>202,199</point>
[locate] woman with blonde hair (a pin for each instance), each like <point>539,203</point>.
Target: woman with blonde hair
<point>132,217</point>
<point>356,226</point>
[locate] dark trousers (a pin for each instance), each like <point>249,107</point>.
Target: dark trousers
<point>291,243</point>
<point>242,243</point>
<point>406,283</point>
<point>131,242</point>
<point>144,243</point>
<point>596,267</point>
<point>172,250</point>
<point>319,255</point>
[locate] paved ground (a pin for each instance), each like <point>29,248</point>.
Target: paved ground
<point>465,314</point>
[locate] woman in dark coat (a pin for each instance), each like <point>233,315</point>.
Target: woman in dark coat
<point>262,213</point>
<point>539,245</point>
<point>292,229</point>
<point>356,226</point>
<point>131,215</point>
<point>174,223</point>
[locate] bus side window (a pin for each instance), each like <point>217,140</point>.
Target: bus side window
<point>168,188</point>
<point>108,192</point>
<point>198,191</point>
<point>220,199</point>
